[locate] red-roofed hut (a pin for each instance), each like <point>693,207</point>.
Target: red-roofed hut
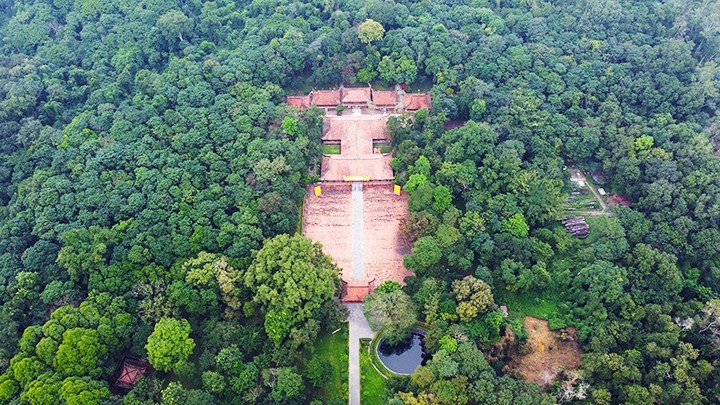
<point>384,98</point>
<point>127,375</point>
<point>416,101</point>
<point>298,101</point>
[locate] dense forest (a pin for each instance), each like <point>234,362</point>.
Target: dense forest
<point>151,179</point>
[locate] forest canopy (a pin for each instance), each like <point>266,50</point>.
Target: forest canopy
<point>150,174</point>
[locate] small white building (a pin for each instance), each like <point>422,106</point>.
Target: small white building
<point>601,191</point>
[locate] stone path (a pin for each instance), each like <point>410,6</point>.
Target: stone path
<point>358,272</point>
<point>359,329</point>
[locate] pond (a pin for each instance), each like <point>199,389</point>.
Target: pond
<point>404,357</point>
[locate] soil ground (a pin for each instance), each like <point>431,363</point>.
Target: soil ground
<point>548,352</point>
<point>385,243</point>
<point>328,220</point>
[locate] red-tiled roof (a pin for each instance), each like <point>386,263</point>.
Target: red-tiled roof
<point>127,375</point>
<point>384,98</point>
<point>325,98</point>
<point>355,291</point>
<point>414,102</point>
<point>299,101</point>
<point>356,95</point>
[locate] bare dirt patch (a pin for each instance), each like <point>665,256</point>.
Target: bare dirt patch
<point>547,353</point>
<point>328,219</point>
<point>385,243</point>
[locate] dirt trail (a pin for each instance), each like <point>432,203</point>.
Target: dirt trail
<point>578,175</point>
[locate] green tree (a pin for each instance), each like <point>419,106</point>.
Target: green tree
<point>80,353</point>
<point>288,386</point>
<point>169,344</point>
<point>426,253</point>
<point>290,278</point>
<point>516,225</point>
<point>173,24</point>
<point>318,371</point>
<point>370,30</point>
<point>474,297</point>
<point>393,312</point>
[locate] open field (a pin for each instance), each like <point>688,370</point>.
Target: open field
<point>331,149</point>
<point>328,220</point>
<point>384,244</point>
<point>548,353</point>
<point>531,304</point>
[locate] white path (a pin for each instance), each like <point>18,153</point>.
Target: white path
<point>359,329</point>
<point>358,271</point>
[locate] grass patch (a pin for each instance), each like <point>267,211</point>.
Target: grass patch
<point>581,201</point>
<point>372,383</point>
<point>384,146</point>
<point>529,304</point>
<point>330,149</point>
<point>334,349</point>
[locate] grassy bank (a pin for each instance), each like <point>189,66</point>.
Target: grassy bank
<point>372,383</point>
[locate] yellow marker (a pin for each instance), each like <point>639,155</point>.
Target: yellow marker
<point>356,178</point>
<point>397,190</point>
<point>318,191</point>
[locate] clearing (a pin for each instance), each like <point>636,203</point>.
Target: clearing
<point>333,348</point>
<point>548,353</point>
<point>328,219</point>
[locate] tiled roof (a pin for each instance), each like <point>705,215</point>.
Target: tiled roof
<point>414,102</point>
<point>356,95</point>
<point>325,98</point>
<point>384,98</point>
<point>299,101</point>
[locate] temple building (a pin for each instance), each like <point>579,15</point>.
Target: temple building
<point>387,101</point>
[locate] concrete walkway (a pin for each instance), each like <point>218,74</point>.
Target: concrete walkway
<point>359,329</point>
<point>358,271</point>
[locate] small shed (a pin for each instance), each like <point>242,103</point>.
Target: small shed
<point>504,310</point>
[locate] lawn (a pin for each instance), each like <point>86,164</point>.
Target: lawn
<point>530,304</point>
<point>384,147</point>
<point>334,348</point>
<point>372,384</point>
<point>331,149</point>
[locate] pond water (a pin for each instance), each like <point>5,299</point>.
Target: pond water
<point>404,357</point>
